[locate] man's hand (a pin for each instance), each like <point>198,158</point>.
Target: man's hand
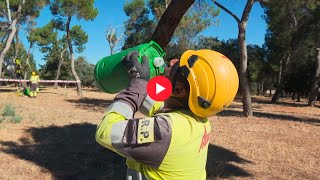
<point>135,68</point>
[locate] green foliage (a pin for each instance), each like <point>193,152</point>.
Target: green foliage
<point>49,69</point>
<point>85,71</point>
<point>259,68</point>
<point>285,19</point>
<point>144,16</point>
<point>231,50</point>
<point>200,16</point>
<point>53,56</point>
<point>8,110</point>
<point>257,62</point>
<point>138,28</point>
<point>31,9</point>
<point>209,43</point>
<point>65,10</point>
<point>2,119</point>
<point>78,38</point>
<point>59,23</point>
<point>16,119</point>
<point>43,37</point>
<point>197,19</point>
<point>82,9</point>
<point>292,37</point>
<point>9,65</point>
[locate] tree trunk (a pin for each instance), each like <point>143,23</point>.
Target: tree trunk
<point>24,84</point>
<point>280,72</point>
<point>315,84</point>
<point>170,20</point>
<point>306,93</point>
<point>9,12</point>
<point>275,97</point>
<point>28,63</point>
<point>59,68</point>
<point>281,77</point>
<point>243,74</point>
<point>262,88</point>
<point>285,69</point>
<point>299,96</point>
<point>28,55</point>
<point>74,73</point>
<point>247,109</point>
<point>167,3</point>
<point>11,36</point>
<point>17,43</point>
<point>293,95</point>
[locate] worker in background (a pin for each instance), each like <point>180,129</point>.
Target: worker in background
<point>172,141</point>
<point>18,69</point>
<point>18,72</point>
<point>34,80</point>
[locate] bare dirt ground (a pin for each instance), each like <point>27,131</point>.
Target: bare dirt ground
<point>55,139</point>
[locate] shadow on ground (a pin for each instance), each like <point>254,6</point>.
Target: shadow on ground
<point>71,152</point>
<point>68,152</point>
<point>8,90</point>
<point>46,92</point>
<point>312,121</point>
<point>92,90</point>
<point>292,103</point>
<point>90,103</point>
<point>221,162</point>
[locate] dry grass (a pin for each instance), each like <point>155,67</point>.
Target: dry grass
<point>55,139</point>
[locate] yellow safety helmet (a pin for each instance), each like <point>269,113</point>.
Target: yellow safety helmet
<point>33,73</point>
<point>213,81</point>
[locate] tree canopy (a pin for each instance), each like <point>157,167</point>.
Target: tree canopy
<point>287,62</point>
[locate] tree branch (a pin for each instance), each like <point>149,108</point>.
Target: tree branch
<point>112,38</point>
<point>169,21</point>
<point>227,10</point>
<point>247,10</point>
<point>119,38</point>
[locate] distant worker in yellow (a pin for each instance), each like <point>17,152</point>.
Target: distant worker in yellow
<point>34,80</point>
<point>18,69</point>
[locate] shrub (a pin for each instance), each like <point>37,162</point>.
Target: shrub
<point>8,110</point>
<point>16,119</point>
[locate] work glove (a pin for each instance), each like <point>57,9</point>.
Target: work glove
<point>135,93</point>
<point>135,68</point>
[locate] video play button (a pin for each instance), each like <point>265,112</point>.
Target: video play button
<point>159,88</point>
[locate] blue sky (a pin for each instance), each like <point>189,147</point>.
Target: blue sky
<point>111,13</point>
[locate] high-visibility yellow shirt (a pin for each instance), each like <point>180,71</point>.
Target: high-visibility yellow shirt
<point>177,150</point>
<point>34,79</point>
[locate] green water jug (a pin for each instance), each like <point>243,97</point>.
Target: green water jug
<point>111,76</point>
<point>27,92</point>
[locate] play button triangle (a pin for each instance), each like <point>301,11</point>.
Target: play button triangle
<point>159,88</point>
